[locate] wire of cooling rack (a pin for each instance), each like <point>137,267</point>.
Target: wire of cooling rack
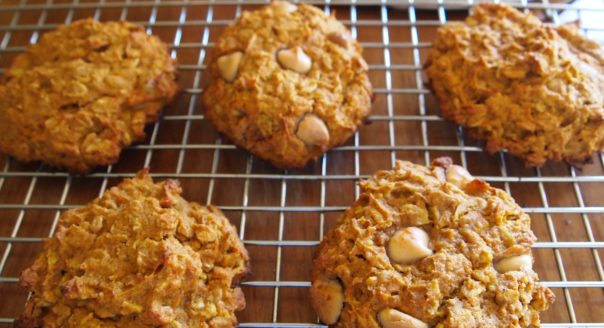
<point>388,68</point>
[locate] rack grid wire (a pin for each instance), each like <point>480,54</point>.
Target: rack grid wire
<point>282,215</point>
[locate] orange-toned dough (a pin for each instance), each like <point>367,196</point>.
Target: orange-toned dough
<point>84,92</point>
<point>451,233</point>
<point>535,90</point>
<point>288,83</point>
<point>139,256</point>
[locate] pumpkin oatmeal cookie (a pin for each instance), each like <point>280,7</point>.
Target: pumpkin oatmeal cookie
<point>139,256</point>
<point>288,83</point>
<point>84,92</point>
<point>535,90</point>
<point>429,247</point>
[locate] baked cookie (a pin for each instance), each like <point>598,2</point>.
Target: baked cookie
<point>288,83</point>
<point>139,256</point>
<point>535,90</point>
<point>429,247</point>
<point>84,92</point>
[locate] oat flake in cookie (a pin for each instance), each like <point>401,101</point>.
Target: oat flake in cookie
<point>84,92</point>
<point>535,90</point>
<point>429,247</point>
<point>288,83</point>
<point>139,256</point>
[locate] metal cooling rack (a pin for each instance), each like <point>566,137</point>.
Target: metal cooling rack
<point>21,186</point>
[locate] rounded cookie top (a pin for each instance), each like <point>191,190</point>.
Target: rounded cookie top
<point>535,90</point>
<point>288,83</point>
<point>429,247</point>
<point>139,256</point>
<point>84,92</point>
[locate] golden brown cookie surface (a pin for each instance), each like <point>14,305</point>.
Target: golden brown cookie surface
<point>139,256</point>
<point>84,92</point>
<point>288,83</point>
<point>429,247</point>
<point>534,90</point>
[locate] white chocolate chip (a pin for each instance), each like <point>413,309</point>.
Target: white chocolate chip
<point>313,131</point>
<point>339,38</point>
<point>284,7</point>
<point>328,298</point>
<point>458,176</point>
<point>440,173</point>
<point>408,245</point>
<point>391,318</point>
<point>228,65</point>
<point>294,59</point>
<point>514,263</point>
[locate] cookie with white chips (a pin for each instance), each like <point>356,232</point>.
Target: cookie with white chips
<point>429,247</point>
<point>288,83</point>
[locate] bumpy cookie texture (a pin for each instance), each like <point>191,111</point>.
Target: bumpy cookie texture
<point>429,247</point>
<point>535,90</point>
<point>139,256</point>
<point>288,83</point>
<point>84,92</point>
